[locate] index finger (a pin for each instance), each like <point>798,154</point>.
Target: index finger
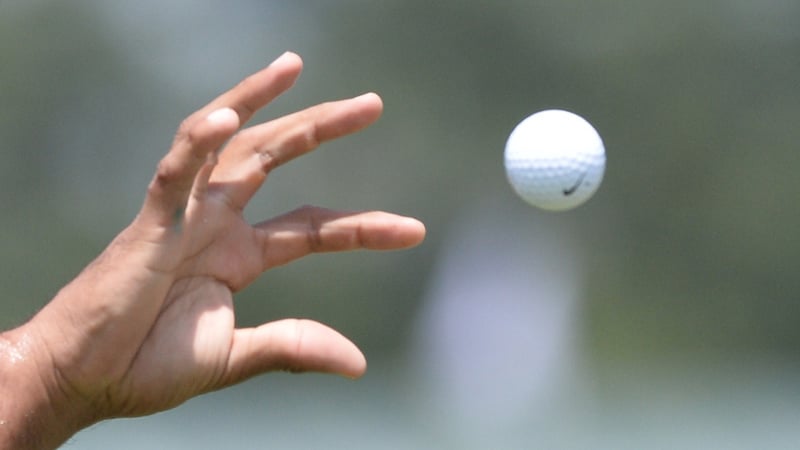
<point>204,131</point>
<point>257,90</point>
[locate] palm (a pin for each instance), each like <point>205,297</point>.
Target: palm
<point>186,352</point>
<point>188,348</point>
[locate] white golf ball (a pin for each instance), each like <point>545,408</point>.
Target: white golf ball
<point>555,160</point>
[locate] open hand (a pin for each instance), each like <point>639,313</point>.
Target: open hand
<point>150,323</point>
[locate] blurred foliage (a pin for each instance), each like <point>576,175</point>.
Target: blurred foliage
<point>688,243</point>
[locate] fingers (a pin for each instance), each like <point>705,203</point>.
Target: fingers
<point>257,90</point>
<point>202,133</point>
<point>170,188</point>
<point>313,230</point>
<point>292,345</point>
<point>250,157</point>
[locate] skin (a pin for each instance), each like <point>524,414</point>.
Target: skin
<point>150,323</point>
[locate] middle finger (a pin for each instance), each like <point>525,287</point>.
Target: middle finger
<point>253,153</point>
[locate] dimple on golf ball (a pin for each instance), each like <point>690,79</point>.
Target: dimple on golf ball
<point>555,160</point>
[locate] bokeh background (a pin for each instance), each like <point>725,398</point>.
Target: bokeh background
<point>662,314</point>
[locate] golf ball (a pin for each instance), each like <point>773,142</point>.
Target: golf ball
<point>555,160</point>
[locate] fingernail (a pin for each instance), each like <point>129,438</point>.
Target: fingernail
<point>222,115</point>
<point>370,98</point>
<point>366,96</point>
<point>284,56</point>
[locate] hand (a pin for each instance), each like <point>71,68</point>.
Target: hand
<point>150,323</point>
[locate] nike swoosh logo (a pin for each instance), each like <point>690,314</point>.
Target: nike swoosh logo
<point>571,190</point>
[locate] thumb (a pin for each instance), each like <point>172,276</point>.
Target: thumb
<point>295,345</point>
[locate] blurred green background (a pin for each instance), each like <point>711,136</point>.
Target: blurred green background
<point>679,325</point>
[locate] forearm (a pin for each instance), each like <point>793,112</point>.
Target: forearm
<point>29,418</point>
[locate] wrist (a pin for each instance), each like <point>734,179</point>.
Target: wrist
<point>33,413</point>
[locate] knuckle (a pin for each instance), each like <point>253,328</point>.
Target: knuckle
<point>247,84</point>
<point>314,239</point>
<point>184,129</point>
<point>191,135</point>
<point>309,137</point>
<point>166,172</point>
<point>163,180</point>
<point>268,160</point>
